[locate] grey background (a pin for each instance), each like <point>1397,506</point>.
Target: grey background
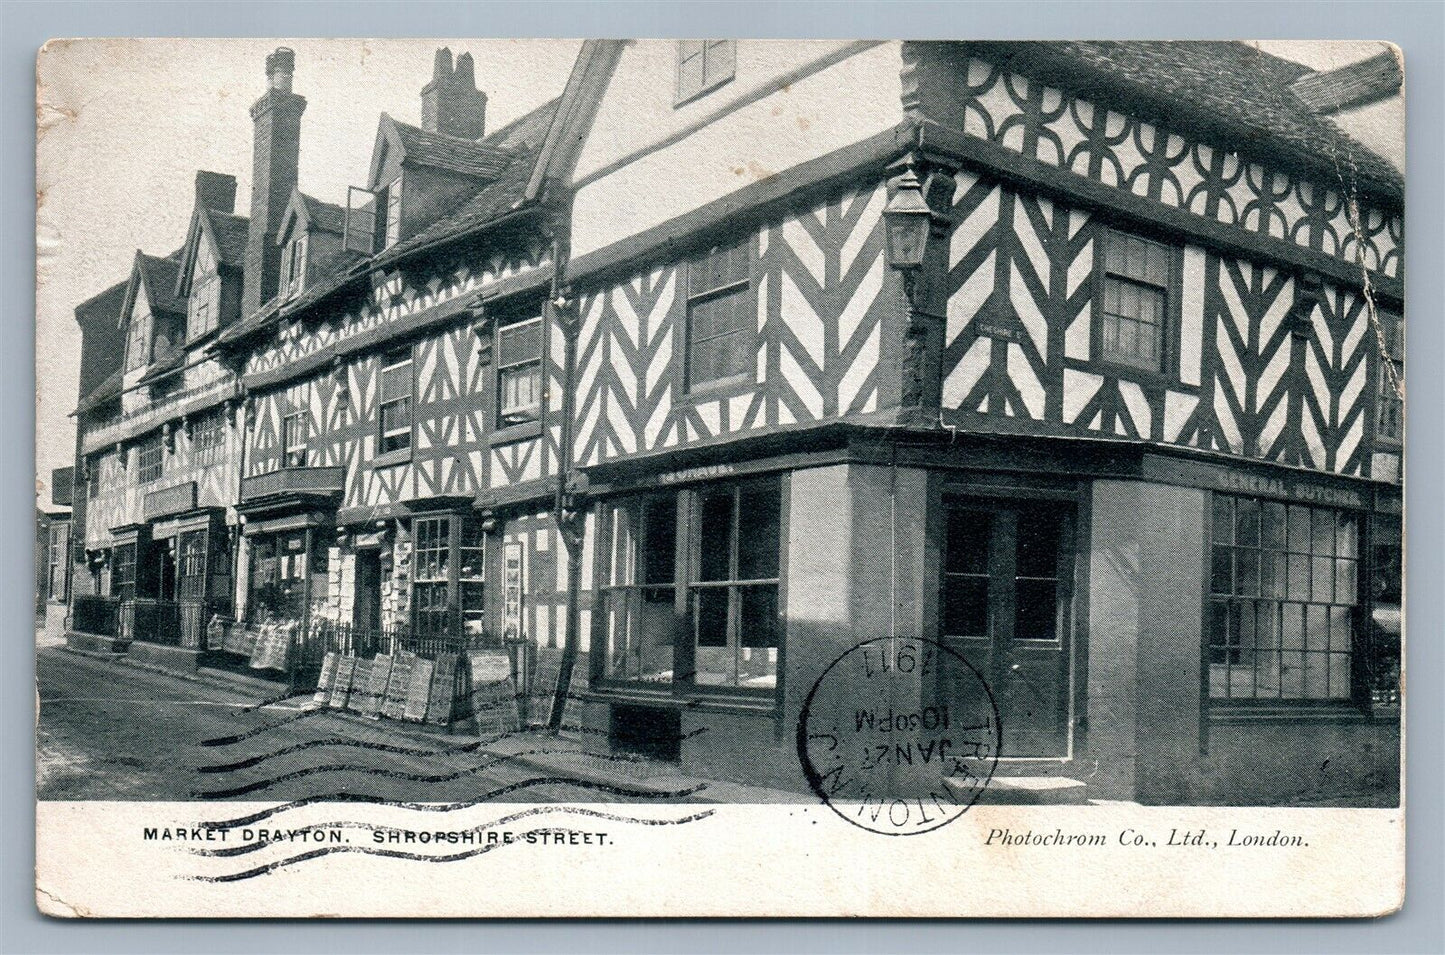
<point>1418,27</point>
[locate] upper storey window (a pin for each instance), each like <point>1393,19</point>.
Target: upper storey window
<point>135,349</point>
<point>373,219</point>
<point>203,311</point>
<point>396,382</point>
<point>519,370</point>
<point>720,327</point>
<point>295,264</point>
<point>703,65</point>
<point>1138,283</point>
<point>1389,406</point>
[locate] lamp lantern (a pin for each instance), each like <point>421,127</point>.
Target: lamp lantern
<point>908,221</point>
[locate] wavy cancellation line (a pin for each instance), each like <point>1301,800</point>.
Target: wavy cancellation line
<point>620,791</point>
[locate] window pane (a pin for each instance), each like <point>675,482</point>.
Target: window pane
<point>1341,631</point>
<point>1292,633</point>
<point>1322,585</point>
<point>1339,676</point>
<point>1346,540</point>
<point>1345,573</point>
<point>712,617</point>
<point>519,343</point>
<point>715,535</point>
<point>1223,528</point>
<point>658,558</point>
<point>1273,525</point>
<point>1221,577</point>
<point>1037,552</point>
<point>758,623</point>
<point>965,607</point>
<point>1299,528</point>
<point>759,510</point>
<point>396,381</point>
<point>1246,522</point>
<point>1035,610</point>
<point>968,536</point>
<point>1299,577</point>
<point>1246,571</point>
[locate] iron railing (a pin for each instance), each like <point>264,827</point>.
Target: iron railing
<point>169,623</point>
<point>93,614</point>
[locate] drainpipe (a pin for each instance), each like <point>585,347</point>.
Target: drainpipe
<point>571,522</point>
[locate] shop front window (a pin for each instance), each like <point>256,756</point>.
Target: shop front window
<point>1284,601</point>
<point>715,627</point>
<point>278,577</point>
<point>191,569</point>
<point>448,577</point>
<point>122,572</point>
<point>639,595</point>
<point>734,594</point>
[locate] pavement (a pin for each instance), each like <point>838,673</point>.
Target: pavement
<point>110,729</point>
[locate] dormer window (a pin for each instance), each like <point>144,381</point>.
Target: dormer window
<point>135,349</point>
<point>519,370</point>
<point>703,65</point>
<point>373,219</point>
<point>296,264</point>
<point>203,310</point>
<point>393,212</point>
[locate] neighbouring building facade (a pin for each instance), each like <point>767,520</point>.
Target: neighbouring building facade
<point>741,353</point>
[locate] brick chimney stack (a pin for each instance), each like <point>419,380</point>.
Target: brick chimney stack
<point>276,150</point>
<point>216,191</point>
<point>451,102</point>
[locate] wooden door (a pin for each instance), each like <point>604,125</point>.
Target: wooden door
<point>1005,605</point>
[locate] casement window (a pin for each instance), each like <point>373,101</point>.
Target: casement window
<point>361,221</point>
<point>135,349</point>
<point>637,601</point>
<point>1389,405</point>
<point>392,197</point>
<point>150,459</point>
<point>122,571</point>
<point>519,370</point>
<point>296,264</point>
<point>396,391</point>
<point>293,438</point>
<point>714,627</point>
<point>1137,276</point>
<point>721,336</point>
<point>203,311</point>
<point>703,65</point>
<point>1283,601</point>
<point>208,436</point>
<point>448,577</point>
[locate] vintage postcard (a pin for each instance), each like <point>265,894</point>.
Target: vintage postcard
<point>719,477</point>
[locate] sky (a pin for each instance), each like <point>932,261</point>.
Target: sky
<point>124,124</point>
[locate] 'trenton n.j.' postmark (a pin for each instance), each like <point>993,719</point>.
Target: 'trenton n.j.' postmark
<point>899,735</point>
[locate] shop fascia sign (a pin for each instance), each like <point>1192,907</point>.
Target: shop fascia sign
<point>1258,485</point>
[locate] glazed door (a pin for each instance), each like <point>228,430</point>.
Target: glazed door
<point>1005,605</point>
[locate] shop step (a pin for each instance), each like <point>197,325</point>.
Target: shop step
<point>1027,791</point>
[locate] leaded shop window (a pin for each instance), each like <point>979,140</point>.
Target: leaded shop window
<point>1390,405</point>
<point>150,459</point>
<point>471,578</point>
<point>208,436</point>
<point>1283,597</point>
<point>122,571</point>
<point>396,389</point>
<point>519,370</point>
<point>721,336</point>
<point>278,576</point>
<point>293,438</point>
<point>638,591</point>
<point>704,64</point>
<point>733,593</point>
<point>1136,280</point>
<point>431,575</point>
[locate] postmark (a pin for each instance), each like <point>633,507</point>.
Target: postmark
<point>899,735</point>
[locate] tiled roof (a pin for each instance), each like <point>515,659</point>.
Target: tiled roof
<point>160,278</point>
<point>519,140</point>
<point>524,138</point>
<point>466,156</point>
<point>107,390</point>
<point>230,236</point>
<point>324,215</point>
<point>1234,91</point>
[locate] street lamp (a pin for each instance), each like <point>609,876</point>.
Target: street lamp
<point>908,220</point>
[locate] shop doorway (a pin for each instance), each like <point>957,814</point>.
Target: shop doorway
<point>366,611</point>
<point>1006,606</point>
